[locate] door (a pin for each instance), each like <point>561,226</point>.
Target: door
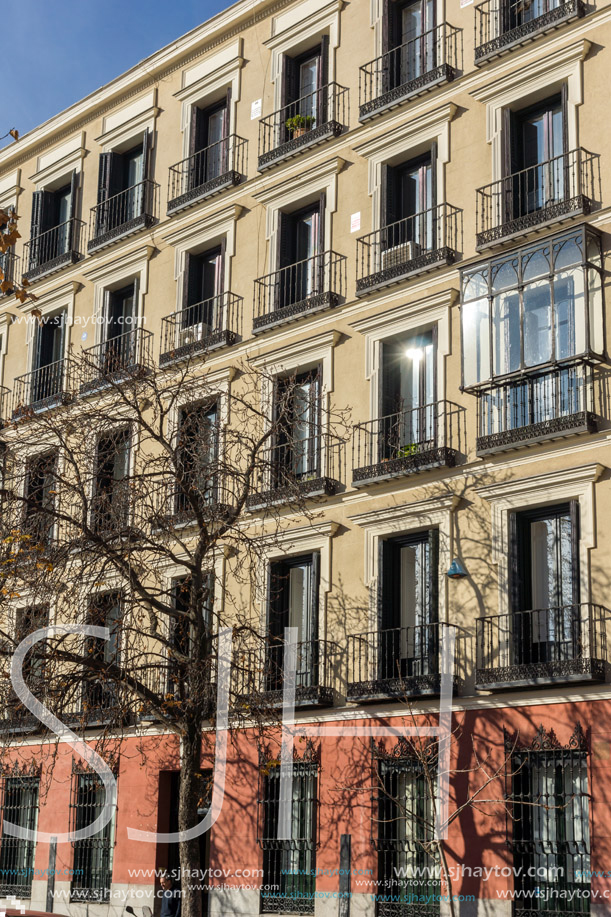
<point>301,246</point>
<point>203,288</point>
<point>297,452</point>
<point>120,345</point>
<point>415,50</point>
<point>540,158</point>
<point>408,424</point>
<point>49,361</point>
<point>416,201</point>
<point>293,603</point>
<point>133,176</point>
<point>198,454</point>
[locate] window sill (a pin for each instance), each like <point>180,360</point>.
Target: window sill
<point>297,144</point>
<point>569,11</point>
<point>202,192</point>
<point>400,94</point>
<point>428,261</point>
<point>538,219</point>
<point>540,673</point>
<point>426,460</point>
<point>557,428</point>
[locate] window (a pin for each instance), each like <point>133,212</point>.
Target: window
<point>551,826</point>
<point>19,806</point>
<point>182,631</point>
<point>123,195</point>
<point>120,344</point>
<point>169,788</point>
<point>405,826</point>
<point>209,142</point>
<point>408,201</point>
<point>105,610</point>
<point>197,458</point>
<point>544,582</point>
<point>48,363</point>
<point>408,641</point>
<point>409,40</point>
<point>300,255</point>
<point>296,452</point>
<point>40,494</point>
<point>52,230</point>
<point>289,866</point>
<point>92,865</point>
<point>293,602</point>
<point>408,394</point>
<point>202,298</point>
<point>30,619</point>
<point>304,91</point>
<point>111,495</point>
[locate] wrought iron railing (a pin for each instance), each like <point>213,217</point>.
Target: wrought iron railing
<point>125,356</point>
<point>123,213</point>
<point>312,118</point>
<point>52,249</point>
<point>566,642</point>
<point>407,441</point>
<point>4,404</point>
<point>502,23</point>
<point>414,244</point>
<point>309,463</point>
<point>8,266</point>
<point>408,70</point>
<point>548,191</point>
<point>207,171</point>
<point>44,387</point>
<point>535,406</point>
<point>399,661</point>
<point>259,673</point>
<point>307,286</point>
<point>215,322</point>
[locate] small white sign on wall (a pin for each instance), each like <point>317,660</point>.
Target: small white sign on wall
<point>255,109</point>
<point>355,222</point>
<point>465,3</point>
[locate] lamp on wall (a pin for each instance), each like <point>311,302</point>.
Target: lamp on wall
<point>456,571</point>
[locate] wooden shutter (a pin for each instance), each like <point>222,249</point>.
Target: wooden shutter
<point>390,195</point>
<point>515,572</point>
<point>72,237</point>
<point>564,99</point>
<point>390,592</point>
<point>109,175</point>
<point>386,27</point>
<point>220,287</point>
<point>433,610</point>
<point>322,208</point>
<point>322,107</point>
<point>197,138</point>
<point>286,239</point>
<point>226,125</point>
<point>314,599</point>
<point>192,280</point>
<point>290,82</point>
<point>146,153</point>
<point>42,212</point>
<point>434,153</point>
<point>575,553</point>
<point>277,578</point>
<point>511,143</point>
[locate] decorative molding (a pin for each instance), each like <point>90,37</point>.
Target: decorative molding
<point>112,274</point>
<point>547,740</point>
<point>60,162</point>
<point>129,122</point>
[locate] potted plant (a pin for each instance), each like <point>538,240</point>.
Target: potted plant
<point>407,450</point>
<point>299,124</point>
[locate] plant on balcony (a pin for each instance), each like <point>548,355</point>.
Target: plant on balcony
<point>298,125</point>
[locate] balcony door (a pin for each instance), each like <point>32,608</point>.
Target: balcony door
<point>49,357</point>
<point>409,41</point>
<point>293,602</point>
<point>408,638</point>
<point>301,247</point>
<point>119,349</point>
<point>121,186</point>
<point>297,450</point>
<point>304,91</point>
<point>408,200</point>
<point>202,294</point>
<point>105,611</point>
<point>51,229</point>
<point>197,456</point>
<point>209,142</point>
<point>516,13</point>
<point>408,395</point>
<point>545,584</point>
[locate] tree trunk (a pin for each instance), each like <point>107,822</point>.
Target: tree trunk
<point>188,802</point>
<point>447,877</point>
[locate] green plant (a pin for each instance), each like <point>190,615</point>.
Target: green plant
<point>407,450</point>
<point>298,122</point>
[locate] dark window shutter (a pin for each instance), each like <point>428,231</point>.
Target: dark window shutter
<point>197,140</point>
<point>146,153</point>
<point>564,99</point>
<point>433,609</point>
<point>286,240</point>
<point>515,573</point>
<point>325,51</point>
<point>390,592</point>
<point>42,212</point>
<point>575,565</point>
<point>290,83</point>
<point>434,174</point>
<point>322,107</point>
<point>221,271</point>
<point>314,596</point>
<point>390,195</point>
<point>109,176</point>
<point>226,130</point>
<point>322,207</point>
<point>386,27</point>
<point>74,185</point>
<point>511,143</point>
<point>277,580</point>
<point>192,280</point>
<point>395,32</point>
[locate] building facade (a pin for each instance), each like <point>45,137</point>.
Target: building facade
<point>403,205</point>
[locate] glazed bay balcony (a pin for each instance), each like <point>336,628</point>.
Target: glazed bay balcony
<point>310,120</point>
<point>54,249</point>
<point>547,646</point>
<point>123,214</point>
<point>502,25</point>
<point>400,662</point>
<point>534,407</point>
<point>406,442</point>
<point>411,246</point>
<point>307,466</point>
<point>260,673</point>
<point>542,195</point>
<point>409,70</point>
<point>125,356</point>
<point>209,171</point>
<point>299,289</point>
<point>201,328</point>
<point>43,388</point>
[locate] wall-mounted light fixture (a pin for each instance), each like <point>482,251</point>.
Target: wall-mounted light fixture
<point>456,571</point>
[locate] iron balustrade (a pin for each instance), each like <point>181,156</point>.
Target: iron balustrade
<point>8,269</point>
<point>123,213</point>
<point>307,286</point>
<point>399,662</point>
<point>314,117</point>
<point>499,24</point>
<point>557,644</point>
<point>42,388</point>
<point>407,441</point>
<point>126,355</point>
<point>408,70</point>
<point>206,172</point>
<point>54,248</point>
<point>536,406</point>
<point>4,404</point>
<point>549,191</point>
<point>202,327</point>
<point>20,802</point>
<point>259,673</point>
<point>303,466</point>
<point>417,243</point>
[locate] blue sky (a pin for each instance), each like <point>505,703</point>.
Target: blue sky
<point>64,49</point>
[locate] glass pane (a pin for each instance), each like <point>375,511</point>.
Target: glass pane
<point>504,275</point>
<point>506,331</point>
<point>569,309</point>
<point>567,252</point>
<point>595,308</point>
<point>476,341</point>
<point>537,323</point>
<point>535,263</point>
<point>475,285</point>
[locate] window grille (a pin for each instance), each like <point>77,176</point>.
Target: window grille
<point>92,865</point>
<point>19,806</point>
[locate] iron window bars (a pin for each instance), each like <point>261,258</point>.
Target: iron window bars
<point>92,873</point>
<point>123,214</point>
<point>201,328</point>
<point>20,800</point>
<point>116,359</point>
<point>303,288</point>
<point>503,24</point>
<point>207,172</point>
<point>51,250</point>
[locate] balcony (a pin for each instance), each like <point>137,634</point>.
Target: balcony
<point>300,469</point>
<point>540,196</point>
<point>407,442</point>
<point>9,269</point>
<point>308,121</point>
<point>500,26</point>
<point>409,70</point>
<point>549,646</point>
<point>122,215</point>
<point>220,165</point>
<point>201,328</point>
<point>125,357</point>
<point>417,244</point>
<point>4,404</point>
<point>259,674</point>
<point>53,249</point>
<point>399,663</point>
<point>536,407</point>
<point>304,288</point>
<point>43,388</point>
